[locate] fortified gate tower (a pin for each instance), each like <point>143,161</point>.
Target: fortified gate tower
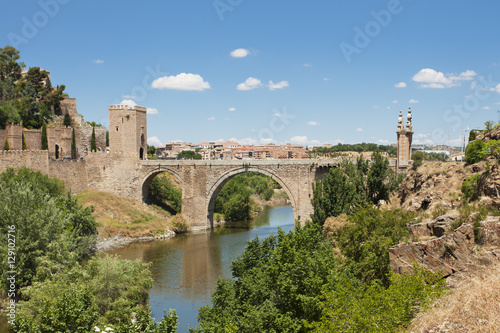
<point>405,136</point>
<point>128,131</point>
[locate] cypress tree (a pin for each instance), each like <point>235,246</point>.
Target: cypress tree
<point>24,142</point>
<point>67,120</point>
<point>45,141</point>
<point>93,146</point>
<point>73,145</point>
<point>107,138</point>
<point>6,145</point>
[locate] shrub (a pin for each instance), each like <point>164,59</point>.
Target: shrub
<point>470,188</point>
<point>179,224</point>
<point>6,145</point>
<point>475,151</point>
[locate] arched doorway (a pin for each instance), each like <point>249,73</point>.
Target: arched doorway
<point>57,152</point>
<point>226,177</point>
<point>141,153</point>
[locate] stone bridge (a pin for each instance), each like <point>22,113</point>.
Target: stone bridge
<point>202,181</point>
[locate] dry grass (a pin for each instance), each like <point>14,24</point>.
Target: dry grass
<point>474,306</point>
<point>125,216</point>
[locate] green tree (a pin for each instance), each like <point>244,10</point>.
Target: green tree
<point>73,145</point>
<point>45,142</point>
<point>488,126</point>
<point>8,113</point>
<point>475,151</point>
<point>164,193</point>
<point>93,146</point>
<point>151,149</point>
<point>418,159</point>
<point>188,155</point>
<point>24,142</point>
<point>67,120</point>
<point>9,67</point>
<point>6,145</point>
<point>107,138</point>
<point>472,135</point>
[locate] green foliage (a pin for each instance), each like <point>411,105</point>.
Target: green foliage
<point>188,155</point>
<point>234,201</point>
<point>145,324</point>
<point>67,120</point>
<point>488,126</point>
<point>8,113</point>
<point>418,159</point>
<point>474,152</point>
<point>275,286</point>
<point>23,142</point>
<point>179,224</point>
<point>52,231</point>
<point>73,145</point>
<point>366,240</point>
<point>470,188</point>
<point>45,142</point>
<point>93,146</point>
<point>472,135</point>
<point>351,186</point>
<point>358,147</point>
<point>349,307</point>
<point>151,150</point>
<point>6,145</point>
<point>9,67</point>
<point>164,193</point>
<point>107,138</point>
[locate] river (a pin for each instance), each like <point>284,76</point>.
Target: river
<point>186,268</point>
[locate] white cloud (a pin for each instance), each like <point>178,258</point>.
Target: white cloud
<point>486,108</point>
<point>152,111</point>
<point>211,118</point>
<point>313,123</point>
<point>413,101</point>
<point>429,78</point>
<point>497,88</point>
<point>154,141</point>
<point>279,85</point>
<point>421,136</point>
<point>183,81</point>
<point>326,79</point>
<point>98,61</point>
<point>308,65</point>
<point>128,97</point>
<point>128,102</point>
<point>359,129</point>
<point>383,142</point>
<point>240,53</point>
<point>249,84</point>
<point>299,140</point>
<point>395,101</point>
<point>232,109</point>
<point>400,85</point>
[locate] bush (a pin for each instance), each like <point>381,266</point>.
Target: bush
<point>179,224</point>
<point>475,152</point>
<point>470,188</point>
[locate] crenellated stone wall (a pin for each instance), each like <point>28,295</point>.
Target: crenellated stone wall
<point>36,160</point>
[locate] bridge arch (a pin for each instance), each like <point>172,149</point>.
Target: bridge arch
<point>150,175</point>
<point>213,192</point>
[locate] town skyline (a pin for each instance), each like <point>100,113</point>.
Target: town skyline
<point>281,72</point>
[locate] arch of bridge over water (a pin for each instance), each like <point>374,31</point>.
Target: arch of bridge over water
<point>201,182</point>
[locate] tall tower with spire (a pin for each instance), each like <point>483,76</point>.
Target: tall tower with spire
<point>405,136</point>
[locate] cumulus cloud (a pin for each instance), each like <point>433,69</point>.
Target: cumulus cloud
<point>486,108</point>
<point>313,123</point>
<point>152,111</point>
<point>211,118</point>
<point>98,61</point>
<point>359,129</point>
<point>430,78</point>
<point>400,85</point>
<point>497,88</point>
<point>232,109</point>
<point>382,142</point>
<point>413,101</point>
<point>395,101</point>
<point>154,141</point>
<point>183,81</point>
<point>128,102</point>
<point>249,84</point>
<point>279,85</point>
<point>303,140</point>
<point>128,97</point>
<point>240,53</point>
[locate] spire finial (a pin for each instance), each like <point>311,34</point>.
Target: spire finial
<point>400,120</point>
<point>409,119</point>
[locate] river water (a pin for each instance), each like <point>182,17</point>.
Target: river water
<point>186,268</point>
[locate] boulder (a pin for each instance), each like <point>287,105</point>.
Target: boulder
<point>434,228</point>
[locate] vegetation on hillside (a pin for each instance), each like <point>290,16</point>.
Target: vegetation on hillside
<point>188,155</point>
<point>29,99</point>
<point>60,285</point>
<point>357,147</point>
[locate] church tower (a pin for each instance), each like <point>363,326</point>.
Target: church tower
<point>128,131</point>
<point>405,136</point>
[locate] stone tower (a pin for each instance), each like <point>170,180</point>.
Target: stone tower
<point>404,140</point>
<point>128,131</point>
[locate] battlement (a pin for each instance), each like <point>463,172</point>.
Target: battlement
<point>127,107</point>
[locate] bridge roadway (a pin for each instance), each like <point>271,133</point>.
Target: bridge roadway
<point>202,180</point>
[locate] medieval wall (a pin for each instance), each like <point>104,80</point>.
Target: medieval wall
<point>73,172</point>
<point>83,137</point>
<point>37,160</point>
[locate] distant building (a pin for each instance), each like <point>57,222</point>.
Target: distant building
<point>405,135</point>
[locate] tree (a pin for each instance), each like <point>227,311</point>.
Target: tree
<point>188,155</point>
<point>9,67</point>
<point>45,142</point>
<point>151,150</point>
<point>93,146</point>
<point>472,135</point>
<point>107,138</point>
<point>67,120</point>
<point>24,142</point>
<point>417,158</point>
<point>475,151</point>
<point>73,145</point>
<point>6,145</point>
<point>488,126</point>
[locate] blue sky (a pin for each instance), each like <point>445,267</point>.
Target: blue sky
<point>308,72</point>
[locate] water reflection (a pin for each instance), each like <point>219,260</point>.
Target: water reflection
<point>186,268</point>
